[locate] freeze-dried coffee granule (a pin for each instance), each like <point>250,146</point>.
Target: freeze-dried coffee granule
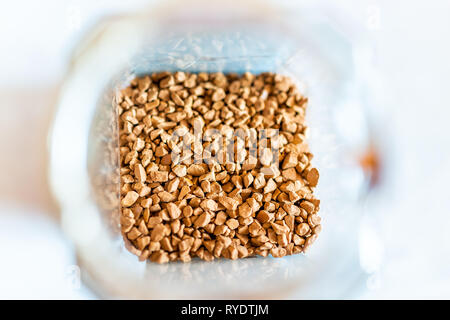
<point>244,184</point>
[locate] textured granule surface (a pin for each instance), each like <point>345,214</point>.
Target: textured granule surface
<point>215,165</point>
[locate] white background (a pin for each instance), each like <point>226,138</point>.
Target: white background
<point>412,47</point>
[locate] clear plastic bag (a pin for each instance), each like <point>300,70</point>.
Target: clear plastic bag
<point>307,45</point>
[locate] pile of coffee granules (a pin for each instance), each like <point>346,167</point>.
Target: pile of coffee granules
<point>215,165</point>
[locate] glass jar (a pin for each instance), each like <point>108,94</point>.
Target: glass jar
<point>329,63</point>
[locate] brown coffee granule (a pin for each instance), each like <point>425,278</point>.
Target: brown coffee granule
<point>215,165</point>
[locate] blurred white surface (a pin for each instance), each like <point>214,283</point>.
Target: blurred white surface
<point>37,261</point>
<point>412,54</point>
